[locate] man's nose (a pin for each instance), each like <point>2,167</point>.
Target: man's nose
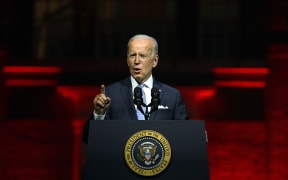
<point>137,59</point>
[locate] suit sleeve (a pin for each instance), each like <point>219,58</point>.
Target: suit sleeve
<point>180,110</point>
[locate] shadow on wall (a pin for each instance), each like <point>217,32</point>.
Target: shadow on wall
<point>234,103</point>
<point>39,103</point>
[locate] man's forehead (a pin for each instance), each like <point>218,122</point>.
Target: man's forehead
<point>140,48</point>
<point>141,41</point>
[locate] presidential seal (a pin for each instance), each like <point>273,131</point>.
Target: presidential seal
<point>147,153</point>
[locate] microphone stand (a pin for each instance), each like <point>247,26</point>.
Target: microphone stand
<point>147,114</point>
<point>155,101</point>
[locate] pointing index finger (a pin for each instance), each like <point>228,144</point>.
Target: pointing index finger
<point>102,89</point>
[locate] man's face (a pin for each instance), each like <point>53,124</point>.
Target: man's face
<point>140,60</point>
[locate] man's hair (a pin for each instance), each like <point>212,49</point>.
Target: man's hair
<point>144,36</point>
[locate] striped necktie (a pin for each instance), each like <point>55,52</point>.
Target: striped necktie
<point>141,116</point>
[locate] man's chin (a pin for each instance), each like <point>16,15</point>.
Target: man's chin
<point>138,78</point>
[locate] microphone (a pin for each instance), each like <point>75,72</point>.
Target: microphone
<point>138,100</point>
<point>155,99</point>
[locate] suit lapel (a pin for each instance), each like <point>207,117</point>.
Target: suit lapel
<point>126,93</point>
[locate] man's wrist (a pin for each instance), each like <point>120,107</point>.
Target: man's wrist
<point>98,116</point>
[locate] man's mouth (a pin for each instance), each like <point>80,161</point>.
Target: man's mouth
<point>137,70</point>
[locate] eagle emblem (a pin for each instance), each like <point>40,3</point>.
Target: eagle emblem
<point>147,152</point>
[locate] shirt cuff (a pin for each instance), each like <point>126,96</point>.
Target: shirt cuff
<point>97,116</point>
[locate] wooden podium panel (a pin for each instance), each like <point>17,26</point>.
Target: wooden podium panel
<point>108,138</point>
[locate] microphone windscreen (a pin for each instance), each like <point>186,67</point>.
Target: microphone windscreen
<point>155,92</point>
<point>137,92</point>
<point>138,100</point>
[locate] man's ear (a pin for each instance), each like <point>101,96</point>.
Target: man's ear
<point>155,61</point>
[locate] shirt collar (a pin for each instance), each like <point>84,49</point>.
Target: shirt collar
<point>148,83</point>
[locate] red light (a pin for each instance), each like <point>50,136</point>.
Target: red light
<point>31,69</point>
<point>241,70</point>
<point>205,93</point>
<point>243,84</point>
<point>69,93</point>
<point>30,82</point>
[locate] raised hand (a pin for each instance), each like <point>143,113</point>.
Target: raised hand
<point>101,102</point>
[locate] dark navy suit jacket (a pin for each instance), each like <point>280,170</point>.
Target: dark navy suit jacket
<point>172,105</point>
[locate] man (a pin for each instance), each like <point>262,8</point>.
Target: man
<point>116,101</point>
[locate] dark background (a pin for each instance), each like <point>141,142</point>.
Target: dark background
<point>228,58</point>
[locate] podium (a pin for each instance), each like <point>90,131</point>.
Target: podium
<point>132,150</point>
